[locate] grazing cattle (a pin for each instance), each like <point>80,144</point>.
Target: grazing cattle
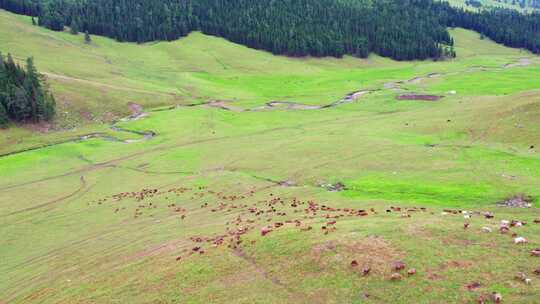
<point>366,270</point>
<point>397,266</point>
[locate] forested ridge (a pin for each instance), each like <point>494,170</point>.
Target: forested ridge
<point>400,29</point>
<point>24,96</point>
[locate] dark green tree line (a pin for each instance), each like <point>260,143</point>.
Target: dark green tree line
<point>400,29</point>
<point>508,27</point>
<point>24,96</point>
<point>24,7</point>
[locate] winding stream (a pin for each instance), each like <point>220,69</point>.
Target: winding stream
<point>147,135</point>
<point>272,105</point>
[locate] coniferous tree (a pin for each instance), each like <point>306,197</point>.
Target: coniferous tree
<point>4,119</point>
<point>87,38</point>
<point>74,28</point>
<point>49,109</point>
<point>24,96</point>
<point>18,104</point>
<point>32,87</point>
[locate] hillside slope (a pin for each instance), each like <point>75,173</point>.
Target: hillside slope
<point>401,30</point>
<point>94,83</point>
<point>201,68</point>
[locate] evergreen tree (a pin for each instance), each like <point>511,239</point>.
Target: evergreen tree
<point>32,88</point>
<point>3,94</point>
<point>50,108</point>
<point>4,119</point>
<point>87,38</point>
<point>74,28</point>
<point>18,105</point>
<point>23,93</point>
<point>3,71</point>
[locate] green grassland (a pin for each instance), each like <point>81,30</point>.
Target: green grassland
<point>65,239</point>
<point>488,4</point>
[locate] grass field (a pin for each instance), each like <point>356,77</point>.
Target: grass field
<point>487,4</point>
<point>78,226</point>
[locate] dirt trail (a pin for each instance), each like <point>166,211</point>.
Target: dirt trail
<point>100,84</point>
<point>271,278</point>
<point>82,187</point>
<point>241,254</point>
<point>521,62</point>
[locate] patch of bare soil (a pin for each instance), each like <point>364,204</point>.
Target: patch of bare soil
<point>320,249</point>
<point>373,253</point>
<point>86,115</point>
<point>136,109</point>
<point>419,97</point>
<point>137,112</point>
<point>41,127</point>
<point>518,201</point>
<point>241,254</point>
<point>456,264</point>
<point>434,274</point>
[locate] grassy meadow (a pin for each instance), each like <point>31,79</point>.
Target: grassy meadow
<point>493,4</point>
<point>227,205</point>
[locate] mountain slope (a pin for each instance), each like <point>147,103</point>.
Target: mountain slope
<point>402,30</point>
<point>95,82</point>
